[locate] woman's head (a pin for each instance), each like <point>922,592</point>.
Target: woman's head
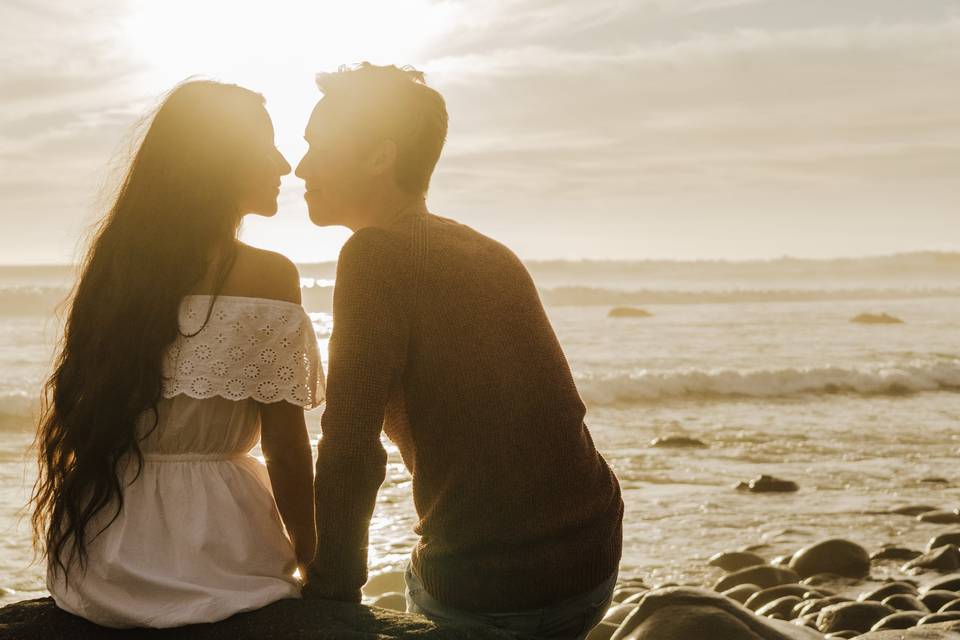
<point>206,158</point>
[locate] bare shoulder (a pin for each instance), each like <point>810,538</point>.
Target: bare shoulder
<point>259,273</point>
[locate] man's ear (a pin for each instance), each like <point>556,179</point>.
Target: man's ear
<point>382,158</point>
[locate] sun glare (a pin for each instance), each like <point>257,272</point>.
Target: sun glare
<point>276,48</point>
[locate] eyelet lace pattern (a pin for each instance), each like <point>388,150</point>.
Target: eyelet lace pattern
<point>250,348</point>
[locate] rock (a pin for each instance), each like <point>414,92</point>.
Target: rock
<point>842,635</point>
<point>603,631</point>
<point>635,598</point>
<point>852,616</point>
<point>768,484</point>
<point>949,583</point>
<point>950,606</point>
<point>816,606</point>
<point>393,601</point>
<point>935,599</point>
<point>782,561</point>
<point>819,579</point>
<point>735,560</point>
<point>901,620</point>
<point>628,312</point>
<point>888,589</point>
<point>621,594</point>
<point>939,517</point>
<point>943,559</point>
<point>677,442</point>
<point>386,582</point>
<point>40,619</point>
<point>895,553</point>
<point>617,614</point>
<point>781,607</point>
<point>950,537</point>
<point>905,602</point>
<point>837,556</point>
<point>875,318</point>
<point>742,592</point>
<point>913,510</point>
<point>936,618</point>
<point>766,596</point>
<point>934,480</point>
<point>942,631</point>
<point>763,576</point>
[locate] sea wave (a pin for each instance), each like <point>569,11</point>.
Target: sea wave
<point>31,300</point>
<point>718,384</point>
<point>18,404</point>
<point>591,296</point>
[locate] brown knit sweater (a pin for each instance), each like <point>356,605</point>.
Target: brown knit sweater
<point>440,339</point>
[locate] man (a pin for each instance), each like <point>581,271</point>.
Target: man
<point>440,339</point>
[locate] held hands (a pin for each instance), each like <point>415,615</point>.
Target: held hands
<point>314,588</point>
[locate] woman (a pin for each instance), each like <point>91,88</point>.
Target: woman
<point>180,347</point>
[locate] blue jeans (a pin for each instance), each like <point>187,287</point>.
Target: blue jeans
<point>570,619</point>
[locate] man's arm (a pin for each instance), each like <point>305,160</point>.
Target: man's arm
<point>367,351</point>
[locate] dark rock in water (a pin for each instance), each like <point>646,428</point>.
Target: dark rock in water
<point>905,602</point>
<point>763,576</point>
<point>950,606</point>
<point>939,517</point>
<point>295,619</point>
<point>735,560</point>
<point>768,484</point>
<point>841,557</point>
<point>935,599</point>
<point>677,442</point>
<point>895,553</point>
<point>628,312</point>
<point>781,607</point>
<point>901,620</point>
<point>684,613</point>
<point>763,598</point>
<point>888,589</point>
<point>950,537</point>
<point>742,592</point>
<point>913,510</point>
<point>852,616</point>
<point>876,318</point>
<point>949,583</point>
<point>934,480</point>
<point>936,618</point>
<point>943,559</point>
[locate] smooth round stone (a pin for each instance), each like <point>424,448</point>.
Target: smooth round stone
<point>940,517</point>
<point>809,620</point>
<point>603,631</point>
<point>934,618</point>
<point>769,484</point>
<point>617,613</point>
<point>635,598</point>
<point>837,556</point>
<point>953,605</point>
<point>842,635</point>
<point>895,553</point>
<point>913,510</point>
<point>944,559</point>
<point>621,594</point>
<point>949,583</point>
<point>815,606</point>
<point>386,582</point>
<point>762,598</point>
<point>763,576</point>
<point>899,620</point>
<point>742,592</point>
<point>905,602</point>
<point>950,537</point>
<point>394,601</point>
<point>781,607</point>
<point>735,560</point>
<point>936,598</point>
<point>888,589</point>
<point>855,616</point>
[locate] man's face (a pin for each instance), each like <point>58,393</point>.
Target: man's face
<point>336,181</point>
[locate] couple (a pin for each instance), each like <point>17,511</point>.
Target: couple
<point>184,347</point>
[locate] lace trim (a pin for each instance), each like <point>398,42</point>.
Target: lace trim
<point>250,348</point>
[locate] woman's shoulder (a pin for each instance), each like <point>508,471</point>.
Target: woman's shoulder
<point>259,273</point>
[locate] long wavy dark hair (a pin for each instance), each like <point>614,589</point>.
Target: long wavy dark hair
<point>173,222</point>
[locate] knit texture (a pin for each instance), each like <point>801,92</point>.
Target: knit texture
<point>440,339</point>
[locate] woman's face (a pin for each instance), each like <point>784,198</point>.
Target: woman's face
<point>260,173</point>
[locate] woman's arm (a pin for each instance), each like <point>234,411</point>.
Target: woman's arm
<point>286,448</point>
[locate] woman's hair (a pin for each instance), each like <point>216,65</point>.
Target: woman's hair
<point>173,220</point>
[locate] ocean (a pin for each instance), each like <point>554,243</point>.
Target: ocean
<point>758,360</point>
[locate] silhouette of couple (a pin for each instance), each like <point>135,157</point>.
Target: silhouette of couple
<point>183,347</point>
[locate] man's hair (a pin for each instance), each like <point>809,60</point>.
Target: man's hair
<point>389,103</point>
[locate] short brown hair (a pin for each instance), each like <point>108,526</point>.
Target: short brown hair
<point>392,103</point>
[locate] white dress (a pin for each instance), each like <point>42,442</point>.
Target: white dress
<point>199,537</point>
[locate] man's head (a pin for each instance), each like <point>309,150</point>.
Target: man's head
<point>374,138</point>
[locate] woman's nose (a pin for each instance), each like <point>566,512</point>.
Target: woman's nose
<point>282,164</point>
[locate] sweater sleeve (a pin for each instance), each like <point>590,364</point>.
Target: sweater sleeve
<point>367,351</point>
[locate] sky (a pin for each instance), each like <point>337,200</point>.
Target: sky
<point>648,129</point>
